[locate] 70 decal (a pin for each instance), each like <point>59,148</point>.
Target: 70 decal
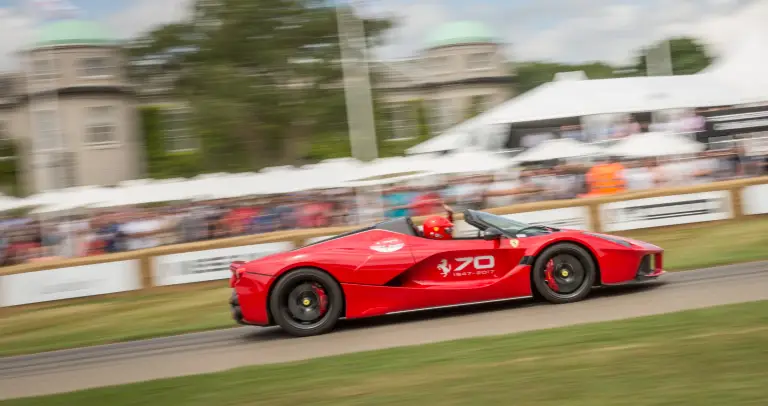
<point>481,262</point>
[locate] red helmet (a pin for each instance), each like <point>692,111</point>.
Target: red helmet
<point>438,228</point>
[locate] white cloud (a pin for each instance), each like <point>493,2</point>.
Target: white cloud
<point>577,30</point>
<point>142,15</point>
<point>16,30</point>
<point>415,20</point>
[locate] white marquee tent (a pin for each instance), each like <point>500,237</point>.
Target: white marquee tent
<point>470,162</point>
<point>576,98</point>
<point>394,166</point>
<point>8,203</point>
<point>737,77</point>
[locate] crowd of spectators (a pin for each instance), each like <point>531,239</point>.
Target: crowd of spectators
<point>620,126</point>
<point>25,239</point>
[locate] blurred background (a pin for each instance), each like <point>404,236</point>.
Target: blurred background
<point>132,124</point>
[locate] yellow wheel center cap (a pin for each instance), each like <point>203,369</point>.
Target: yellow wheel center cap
<point>306,302</point>
<point>564,273</point>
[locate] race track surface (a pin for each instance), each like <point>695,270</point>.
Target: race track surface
<point>68,370</point>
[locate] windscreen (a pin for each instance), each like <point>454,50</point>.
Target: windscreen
<point>505,224</point>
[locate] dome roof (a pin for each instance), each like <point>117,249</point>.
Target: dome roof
<point>73,32</point>
<point>460,32</point>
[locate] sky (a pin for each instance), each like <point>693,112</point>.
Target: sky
<point>558,30</point>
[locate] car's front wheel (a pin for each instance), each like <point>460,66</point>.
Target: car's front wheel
<point>306,302</point>
<point>564,273</point>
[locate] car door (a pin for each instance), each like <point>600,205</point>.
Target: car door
<point>463,263</point>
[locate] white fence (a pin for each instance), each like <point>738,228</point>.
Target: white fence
<point>69,283</point>
<point>208,265</point>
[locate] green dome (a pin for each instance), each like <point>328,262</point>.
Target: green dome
<point>462,32</point>
<point>73,32</point>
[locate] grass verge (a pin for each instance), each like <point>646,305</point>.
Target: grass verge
<point>157,313</point>
<point>705,357</point>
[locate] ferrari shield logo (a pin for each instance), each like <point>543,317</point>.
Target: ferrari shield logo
<point>514,243</point>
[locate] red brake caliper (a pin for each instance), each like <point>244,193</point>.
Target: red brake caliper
<point>322,297</point>
<point>549,278</point>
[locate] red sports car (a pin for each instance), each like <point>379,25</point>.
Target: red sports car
<point>390,268</point>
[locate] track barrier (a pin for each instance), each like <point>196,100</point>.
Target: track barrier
<point>185,264</point>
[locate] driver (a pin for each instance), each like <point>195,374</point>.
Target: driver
<point>438,227</point>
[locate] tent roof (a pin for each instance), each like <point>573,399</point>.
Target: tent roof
<point>461,135</point>
<point>576,98</point>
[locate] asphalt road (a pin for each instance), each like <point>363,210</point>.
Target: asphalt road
<point>68,370</point>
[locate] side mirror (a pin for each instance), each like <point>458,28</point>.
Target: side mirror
<point>490,235</point>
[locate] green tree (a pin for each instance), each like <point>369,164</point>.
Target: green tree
<point>162,164</point>
<point>688,56</point>
<point>9,171</point>
<point>533,74</point>
<point>261,76</point>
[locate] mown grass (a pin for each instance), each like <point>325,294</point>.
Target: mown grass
<point>714,357</point>
<point>161,312</point>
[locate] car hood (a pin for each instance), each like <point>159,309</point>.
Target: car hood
<point>638,243</point>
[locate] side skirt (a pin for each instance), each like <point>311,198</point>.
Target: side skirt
<point>460,305</point>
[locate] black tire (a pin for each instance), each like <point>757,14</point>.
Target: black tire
<point>579,261</point>
<point>285,315</point>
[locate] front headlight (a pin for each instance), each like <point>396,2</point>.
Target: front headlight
<point>612,239</point>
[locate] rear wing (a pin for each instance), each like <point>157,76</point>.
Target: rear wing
<point>234,266</point>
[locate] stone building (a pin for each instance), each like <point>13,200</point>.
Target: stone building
<point>71,110</point>
<point>462,70</point>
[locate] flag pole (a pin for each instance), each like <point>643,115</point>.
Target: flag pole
<point>357,92</point>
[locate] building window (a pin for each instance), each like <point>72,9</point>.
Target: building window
<point>44,68</point>
<point>486,102</point>
<point>178,137</point>
<point>5,134</point>
<point>47,135</point>
<point>435,114</point>
<point>443,115</point>
<point>440,65</point>
<point>393,78</point>
<point>101,128</point>
<point>480,61</point>
<point>95,67</point>
<point>6,87</point>
<point>400,121</point>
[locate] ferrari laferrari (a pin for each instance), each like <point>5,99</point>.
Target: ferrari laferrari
<point>391,268</point>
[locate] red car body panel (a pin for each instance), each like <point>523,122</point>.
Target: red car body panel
<point>383,272</point>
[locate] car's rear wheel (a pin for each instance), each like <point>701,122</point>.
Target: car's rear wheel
<point>306,302</point>
<point>564,273</point>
